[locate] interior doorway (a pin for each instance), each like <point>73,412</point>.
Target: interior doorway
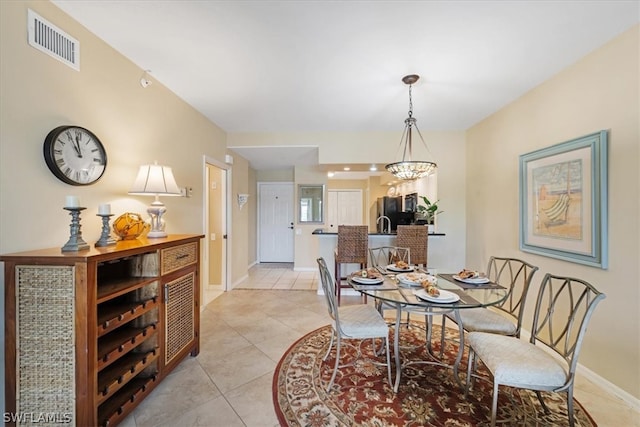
<point>216,228</point>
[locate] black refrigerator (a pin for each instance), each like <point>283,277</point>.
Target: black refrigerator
<point>389,207</point>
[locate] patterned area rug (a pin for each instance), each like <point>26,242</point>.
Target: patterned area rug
<point>428,394</point>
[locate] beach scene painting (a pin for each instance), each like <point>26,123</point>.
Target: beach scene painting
<point>563,200</point>
<point>557,210</point>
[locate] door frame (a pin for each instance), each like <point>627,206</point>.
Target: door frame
<point>259,205</point>
<point>205,222</point>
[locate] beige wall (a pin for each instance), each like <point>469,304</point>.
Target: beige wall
<point>305,243</point>
<point>601,91</point>
<point>241,232</point>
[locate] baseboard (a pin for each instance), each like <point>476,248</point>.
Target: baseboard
<point>609,387</point>
<point>240,280</point>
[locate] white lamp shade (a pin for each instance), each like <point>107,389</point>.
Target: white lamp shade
<point>155,179</point>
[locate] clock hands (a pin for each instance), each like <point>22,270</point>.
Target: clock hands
<point>77,145</point>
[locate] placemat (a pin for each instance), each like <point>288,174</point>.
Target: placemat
<point>490,285</point>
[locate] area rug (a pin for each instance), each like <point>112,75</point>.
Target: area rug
<point>428,394</point>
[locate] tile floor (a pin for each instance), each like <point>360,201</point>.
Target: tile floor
<point>244,332</point>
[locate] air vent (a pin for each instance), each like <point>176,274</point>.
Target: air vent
<point>51,40</point>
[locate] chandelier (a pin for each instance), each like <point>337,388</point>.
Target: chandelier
<point>409,169</point>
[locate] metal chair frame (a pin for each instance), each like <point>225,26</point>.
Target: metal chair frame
<point>563,310</point>
<point>516,275</point>
<point>382,256</point>
<point>340,317</point>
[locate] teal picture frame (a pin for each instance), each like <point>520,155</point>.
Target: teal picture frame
<point>563,199</point>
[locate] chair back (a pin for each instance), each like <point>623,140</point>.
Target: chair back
<point>385,255</point>
<point>563,310</point>
<point>353,243</point>
<point>328,287</point>
<point>414,237</point>
<point>515,275</point>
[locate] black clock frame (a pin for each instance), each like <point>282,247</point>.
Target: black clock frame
<point>48,148</point>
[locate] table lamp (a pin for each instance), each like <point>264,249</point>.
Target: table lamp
<point>158,181</point>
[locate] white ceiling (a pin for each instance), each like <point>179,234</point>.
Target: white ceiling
<point>296,66</point>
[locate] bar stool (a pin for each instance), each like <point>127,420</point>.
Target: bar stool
<point>414,237</point>
<point>353,245</point>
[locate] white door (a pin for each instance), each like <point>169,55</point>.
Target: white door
<point>275,222</point>
<point>344,208</point>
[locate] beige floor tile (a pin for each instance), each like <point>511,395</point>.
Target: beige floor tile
<point>283,286</point>
<point>275,346</point>
<point>215,413</point>
<point>254,402</point>
<point>221,342</point>
<point>180,392</point>
<point>285,281</point>
<point>238,368</point>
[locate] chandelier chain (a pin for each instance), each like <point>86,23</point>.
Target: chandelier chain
<point>410,102</point>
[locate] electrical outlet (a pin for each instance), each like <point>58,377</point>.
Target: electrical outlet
<point>213,236</point>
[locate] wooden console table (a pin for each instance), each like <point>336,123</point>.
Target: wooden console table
<point>89,334</point>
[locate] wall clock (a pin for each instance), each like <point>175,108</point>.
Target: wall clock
<point>75,155</point>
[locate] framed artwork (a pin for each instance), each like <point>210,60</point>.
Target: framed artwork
<point>563,201</point>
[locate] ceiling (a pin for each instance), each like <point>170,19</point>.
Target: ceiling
<point>302,66</point>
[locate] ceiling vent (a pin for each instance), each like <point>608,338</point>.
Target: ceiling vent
<point>51,40</point>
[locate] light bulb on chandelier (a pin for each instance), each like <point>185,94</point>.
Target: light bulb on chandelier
<point>408,169</point>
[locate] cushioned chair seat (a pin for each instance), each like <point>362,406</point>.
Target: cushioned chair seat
<point>482,319</point>
<point>518,363</point>
<point>361,321</point>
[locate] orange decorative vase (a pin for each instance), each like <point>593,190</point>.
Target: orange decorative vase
<point>129,226</point>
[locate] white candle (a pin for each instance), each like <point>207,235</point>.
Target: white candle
<point>72,202</point>
<point>104,209</point>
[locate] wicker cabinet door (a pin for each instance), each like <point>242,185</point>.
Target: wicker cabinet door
<point>180,315</point>
<point>45,342</point>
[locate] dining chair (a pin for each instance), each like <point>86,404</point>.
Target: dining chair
<point>515,275</point>
<point>352,248</point>
<point>416,238</point>
<point>352,322</point>
<point>382,256</point>
<point>562,312</point>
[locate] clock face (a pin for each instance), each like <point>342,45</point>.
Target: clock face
<point>75,155</point>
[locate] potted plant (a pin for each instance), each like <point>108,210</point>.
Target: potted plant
<point>428,211</point>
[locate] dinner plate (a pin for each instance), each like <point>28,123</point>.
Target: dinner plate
<point>413,279</point>
<point>367,280</point>
<point>472,281</point>
<point>392,267</point>
<point>444,297</point>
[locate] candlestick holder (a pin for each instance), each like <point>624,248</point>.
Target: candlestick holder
<point>75,243</point>
<point>105,237</point>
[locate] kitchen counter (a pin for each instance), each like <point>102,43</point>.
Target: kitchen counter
<point>322,231</point>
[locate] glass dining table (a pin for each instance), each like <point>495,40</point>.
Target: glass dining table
<point>404,293</point>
